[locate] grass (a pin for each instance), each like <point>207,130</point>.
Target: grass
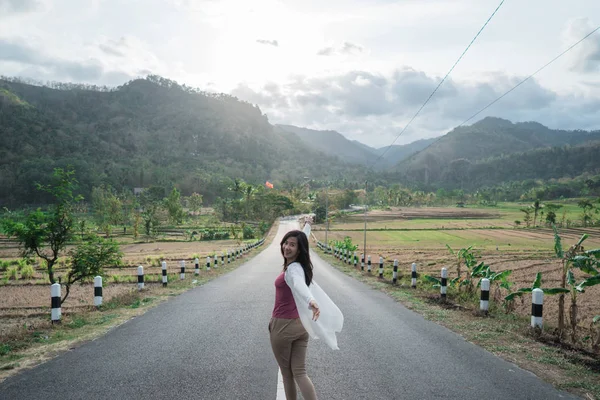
<point>506,335</point>
<point>31,347</point>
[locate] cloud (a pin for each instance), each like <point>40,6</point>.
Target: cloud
<point>374,107</point>
<point>18,6</point>
<point>34,62</point>
<point>585,56</point>
<point>115,48</point>
<point>346,48</point>
<point>17,51</point>
<point>268,42</point>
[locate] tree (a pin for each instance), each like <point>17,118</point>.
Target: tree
<point>194,202</point>
<point>46,233</point>
<point>173,206</point>
<point>248,191</point>
<point>89,258</point>
<point>587,206</point>
<point>536,209</point>
<point>527,217</point>
<point>107,208</point>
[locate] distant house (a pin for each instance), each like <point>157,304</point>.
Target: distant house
<point>138,191</point>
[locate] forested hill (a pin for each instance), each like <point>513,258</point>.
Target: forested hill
<point>352,151</point>
<point>545,164</point>
<point>147,132</point>
<point>458,150</point>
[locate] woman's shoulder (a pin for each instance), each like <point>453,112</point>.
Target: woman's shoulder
<point>295,267</point>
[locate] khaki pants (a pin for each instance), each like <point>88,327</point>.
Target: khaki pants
<point>289,341</point>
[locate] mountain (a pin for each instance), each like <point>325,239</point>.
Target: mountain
<point>147,132</point>
<point>336,144</point>
<point>490,139</point>
<point>397,153</point>
<point>333,144</point>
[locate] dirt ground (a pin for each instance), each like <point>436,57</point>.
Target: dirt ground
<point>514,255</point>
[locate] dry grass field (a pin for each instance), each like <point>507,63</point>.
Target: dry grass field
<point>420,235</point>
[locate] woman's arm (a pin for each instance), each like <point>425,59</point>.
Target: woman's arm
<point>294,277</point>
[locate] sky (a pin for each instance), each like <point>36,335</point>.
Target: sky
<point>360,67</point>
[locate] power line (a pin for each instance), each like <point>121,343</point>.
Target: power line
<point>529,77</point>
<point>439,84</point>
<point>511,89</point>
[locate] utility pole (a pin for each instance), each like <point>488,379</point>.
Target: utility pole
<point>365,242</point>
<point>326,212</point>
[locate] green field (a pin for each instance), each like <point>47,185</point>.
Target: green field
<point>485,228</point>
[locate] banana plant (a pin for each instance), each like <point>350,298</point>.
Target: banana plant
<point>586,261</point>
<point>461,255</point>
<point>537,284</point>
<point>498,278</point>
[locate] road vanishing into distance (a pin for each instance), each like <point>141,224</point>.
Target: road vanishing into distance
<point>212,343</point>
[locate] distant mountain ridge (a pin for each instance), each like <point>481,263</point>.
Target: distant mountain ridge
<point>490,139</point>
<point>335,144</point>
<point>154,131</point>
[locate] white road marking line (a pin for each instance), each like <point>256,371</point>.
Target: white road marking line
<point>280,389</point>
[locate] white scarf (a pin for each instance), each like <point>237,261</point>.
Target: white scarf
<point>330,320</point>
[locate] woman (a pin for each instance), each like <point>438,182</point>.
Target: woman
<point>296,315</point>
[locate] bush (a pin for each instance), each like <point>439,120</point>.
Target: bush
<point>214,234</point>
<point>248,232</point>
<point>12,273</point>
<point>27,272</point>
<point>263,227</point>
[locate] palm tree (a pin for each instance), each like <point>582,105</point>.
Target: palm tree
<point>248,192</point>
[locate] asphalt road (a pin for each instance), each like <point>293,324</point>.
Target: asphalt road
<point>212,343</point>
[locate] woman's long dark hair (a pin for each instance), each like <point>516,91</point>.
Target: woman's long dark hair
<point>303,254</point>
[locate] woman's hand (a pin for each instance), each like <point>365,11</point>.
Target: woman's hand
<point>315,309</point>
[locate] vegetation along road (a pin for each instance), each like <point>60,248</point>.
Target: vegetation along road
<point>212,343</point>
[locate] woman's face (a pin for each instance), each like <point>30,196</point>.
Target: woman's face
<point>290,249</point>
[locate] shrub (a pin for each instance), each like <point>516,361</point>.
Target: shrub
<point>27,272</point>
<point>248,232</point>
<point>12,272</point>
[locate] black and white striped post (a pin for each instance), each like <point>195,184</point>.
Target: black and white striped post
<point>228,257</point>
<point>216,261</point>
<point>362,262</point>
<point>484,302</point>
<point>164,274</point>
<point>369,264</point>
<point>197,265</point>
<point>537,308</point>
<point>182,272</point>
<point>355,257</point>
<point>413,275</point>
<point>395,276</point>
<point>380,267</point>
<point>98,291</point>
<point>444,285</point>
<point>208,263</point>
<point>55,297</point>
<point>140,273</point>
